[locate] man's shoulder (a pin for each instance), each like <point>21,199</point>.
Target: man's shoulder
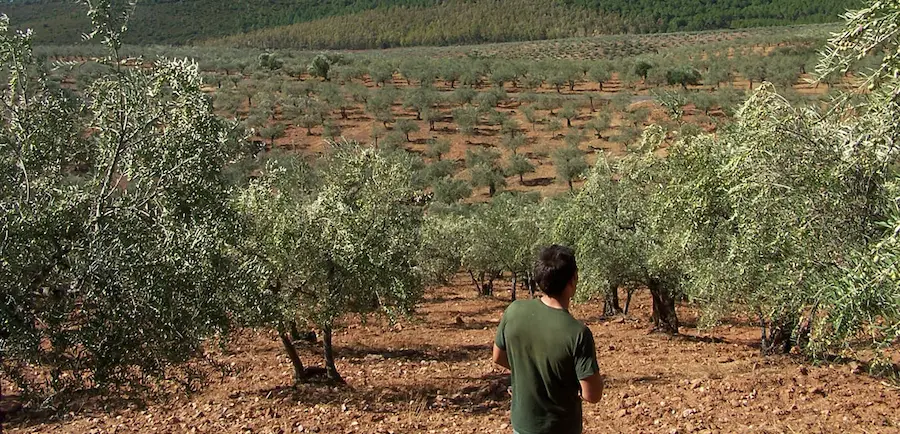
<point>521,304</point>
<point>524,309</point>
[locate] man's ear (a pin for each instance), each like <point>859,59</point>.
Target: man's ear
<point>572,285</point>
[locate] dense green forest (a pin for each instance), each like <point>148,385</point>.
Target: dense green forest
<point>691,15</point>
<point>179,22</point>
<point>390,23</point>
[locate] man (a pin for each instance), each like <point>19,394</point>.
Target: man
<point>551,354</point>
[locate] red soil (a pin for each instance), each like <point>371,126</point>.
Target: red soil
<point>432,374</point>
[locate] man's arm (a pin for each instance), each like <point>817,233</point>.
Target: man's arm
<point>587,368</point>
<point>499,357</point>
<point>592,388</point>
<point>499,354</point>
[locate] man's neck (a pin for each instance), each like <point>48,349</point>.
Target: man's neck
<point>556,303</point>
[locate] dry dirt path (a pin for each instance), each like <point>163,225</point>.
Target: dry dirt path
<point>432,374</point>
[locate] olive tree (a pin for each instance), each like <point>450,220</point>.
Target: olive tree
<point>519,165</point>
<point>449,190</point>
<point>114,216</point>
<point>437,148</point>
<point>407,126</point>
<point>321,66</point>
<point>599,124</point>
<point>761,215</point>
<point>600,74</point>
<point>346,245</point>
<point>275,231</point>
<point>568,112</point>
<point>443,241</point>
<point>570,164</point>
<point>614,232</point>
<point>485,170</point>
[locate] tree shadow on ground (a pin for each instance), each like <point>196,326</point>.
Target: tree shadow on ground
<point>475,395</point>
<point>15,411</point>
<point>440,299</point>
<point>701,339</point>
<point>656,380</point>
<point>481,144</point>
<point>543,182</point>
<point>630,318</point>
<point>494,310</point>
<point>467,324</point>
<point>462,353</point>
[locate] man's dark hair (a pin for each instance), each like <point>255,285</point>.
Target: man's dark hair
<point>554,268</point>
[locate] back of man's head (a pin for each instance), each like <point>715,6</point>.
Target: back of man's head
<point>554,268</point>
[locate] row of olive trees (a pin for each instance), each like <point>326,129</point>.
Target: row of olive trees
<point>708,66</point>
<point>787,217</point>
<point>127,243</point>
<point>487,241</point>
<point>131,236</point>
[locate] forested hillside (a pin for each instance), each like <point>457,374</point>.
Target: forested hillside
<point>357,24</point>
<point>178,22</point>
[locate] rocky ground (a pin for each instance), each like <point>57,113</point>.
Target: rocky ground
<point>432,374</point>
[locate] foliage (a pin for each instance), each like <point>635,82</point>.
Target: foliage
<point>449,190</point>
<point>683,76</point>
<point>613,228</point>
<point>462,22</point>
<point>269,61</point>
<point>407,126</point>
<point>519,166</point>
<point>770,208</point>
<point>484,169</point>
<point>437,148</point>
<point>115,265</point>
<point>346,244</point>
<point>320,66</point>
<point>487,239</point>
<point>443,243</point>
<point>569,163</point>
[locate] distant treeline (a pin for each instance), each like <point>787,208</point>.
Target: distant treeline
<point>183,21</point>
<point>470,22</point>
<point>360,24</point>
<point>454,22</point>
<point>652,16</point>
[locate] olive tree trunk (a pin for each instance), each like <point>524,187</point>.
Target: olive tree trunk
<point>780,336</point>
<point>532,285</point>
<point>664,317</point>
<point>330,367</point>
<point>299,372</point>
<point>611,301</point>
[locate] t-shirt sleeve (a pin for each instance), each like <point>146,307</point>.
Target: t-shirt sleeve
<point>586,355</point>
<point>500,338</point>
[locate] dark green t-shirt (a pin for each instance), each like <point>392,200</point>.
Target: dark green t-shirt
<point>549,352</point>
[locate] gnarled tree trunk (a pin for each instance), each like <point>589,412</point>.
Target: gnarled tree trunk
<point>330,367</point>
<point>664,317</point>
<point>611,301</point>
<point>780,336</point>
<point>299,372</point>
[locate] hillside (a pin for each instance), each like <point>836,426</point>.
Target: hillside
<point>185,21</point>
<point>359,24</point>
<point>468,22</point>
